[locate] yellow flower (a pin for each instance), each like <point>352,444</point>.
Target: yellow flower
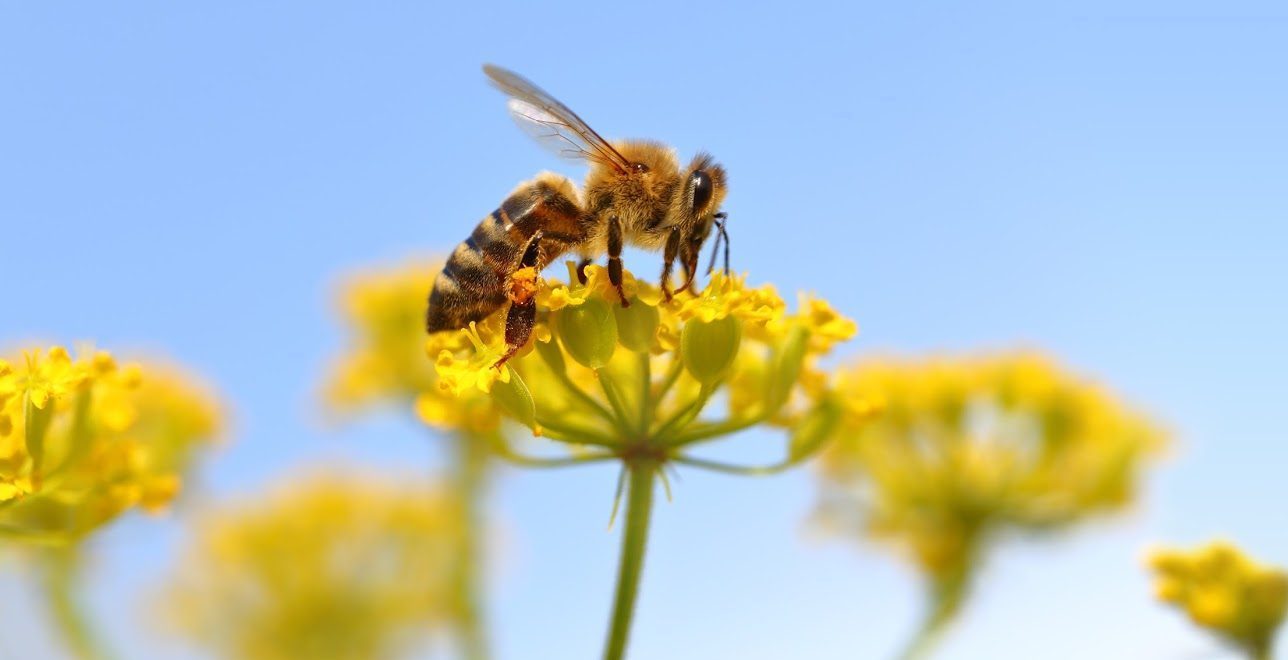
<point>828,326</point>
<point>384,311</point>
<point>476,371</point>
<point>103,439</point>
<point>939,456</point>
<point>626,376</point>
<point>1224,591</point>
<point>606,375</point>
<point>325,567</point>
<point>8,383</point>
<point>53,377</point>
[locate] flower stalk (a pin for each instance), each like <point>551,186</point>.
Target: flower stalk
<point>635,529</point>
<point>61,571</point>
<point>471,476</point>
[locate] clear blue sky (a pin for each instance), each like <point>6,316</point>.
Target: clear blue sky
<point>1103,179</point>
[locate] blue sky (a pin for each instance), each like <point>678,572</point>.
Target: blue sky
<point>1102,179</point>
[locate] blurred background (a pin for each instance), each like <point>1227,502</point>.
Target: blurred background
<point>1104,180</point>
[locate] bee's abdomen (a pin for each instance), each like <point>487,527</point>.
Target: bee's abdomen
<point>471,286</point>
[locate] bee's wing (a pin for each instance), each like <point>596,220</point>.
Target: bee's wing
<point>552,123</point>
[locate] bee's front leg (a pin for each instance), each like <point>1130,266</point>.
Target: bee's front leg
<point>615,258</point>
<point>689,259</point>
<point>522,316</point>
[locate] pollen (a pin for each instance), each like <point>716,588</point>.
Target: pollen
<point>522,285</point>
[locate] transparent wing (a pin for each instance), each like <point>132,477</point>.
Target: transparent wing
<point>552,123</point>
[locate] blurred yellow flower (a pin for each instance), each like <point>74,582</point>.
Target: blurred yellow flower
<point>53,376</point>
<point>82,440</point>
<point>967,449</point>
<point>325,567</point>
<point>1225,591</point>
<point>387,362</point>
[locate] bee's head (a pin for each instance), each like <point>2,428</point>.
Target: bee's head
<point>696,207</point>
<point>701,194</point>
<point>698,199</point>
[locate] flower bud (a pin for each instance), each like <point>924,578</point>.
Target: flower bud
<point>516,399</point>
<point>588,332</point>
<point>786,370</point>
<point>814,430</point>
<point>709,348</point>
<point>636,325</point>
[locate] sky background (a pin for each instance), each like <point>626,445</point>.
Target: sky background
<point>1105,180</point>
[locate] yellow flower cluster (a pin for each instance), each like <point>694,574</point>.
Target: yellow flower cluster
<point>386,361</point>
<point>599,373</point>
<point>82,440</point>
<point>969,448</point>
<point>1226,592</point>
<point>327,567</point>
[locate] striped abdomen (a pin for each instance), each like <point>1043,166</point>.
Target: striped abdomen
<point>472,284</point>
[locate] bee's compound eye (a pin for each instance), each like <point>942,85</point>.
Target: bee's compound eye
<point>639,168</point>
<point>701,183</point>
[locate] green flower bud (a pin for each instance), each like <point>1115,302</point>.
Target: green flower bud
<point>787,363</point>
<point>515,399</point>
<point>814,430</point>
<point>636,325</point>
<point>38,420</point>
<point>708,349</point>
<point>588,332</point>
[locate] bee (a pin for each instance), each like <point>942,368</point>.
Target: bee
<point>636,193</point>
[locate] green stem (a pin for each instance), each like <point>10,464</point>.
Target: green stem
<point>684,416</point>
<point>1261,650</point>
<point>60,573</point>
<point>614,395</point>
<point>748,470</point>
<point>471,475</point>
<point>668,381</point>
<point>516,458</point>
<point>646,392</point>
<point>948,593</point>
<point>716,430</point>
<point>639,508</point>
<point>573,434</point>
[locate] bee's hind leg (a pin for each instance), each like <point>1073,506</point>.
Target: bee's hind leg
<point>615,258</point>
<point>522,316</point>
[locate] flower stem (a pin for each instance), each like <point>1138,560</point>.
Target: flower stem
<point>639,508</point>
<point>613,393</point>
<point>746,470</point>
<point>61,569</point>
<point>471,469</point>
<point>646,392</point>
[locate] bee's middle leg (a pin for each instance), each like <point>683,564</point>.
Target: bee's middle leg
<point>522,316</point>
<point>668,258</point>
<point>615,258</point>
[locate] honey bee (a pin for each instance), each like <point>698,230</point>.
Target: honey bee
<point>635,193</point>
